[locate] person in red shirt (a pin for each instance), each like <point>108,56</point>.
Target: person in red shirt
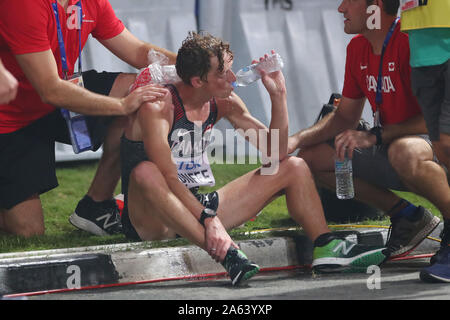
<point>8,85</point>
<point>42,57</point>
<point>403,158</point>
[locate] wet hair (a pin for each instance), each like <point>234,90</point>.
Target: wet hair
<point>194,56</point>
<point>390,6</point>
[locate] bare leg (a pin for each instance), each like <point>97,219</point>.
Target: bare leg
<point>412,158</point>
<point>244,197</point>
<point>108,171</point>
<point>155,212</point>
<point>25,219</point>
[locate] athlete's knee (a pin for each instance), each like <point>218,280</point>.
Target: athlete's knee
<point>27,228</point>
<point>146,174</point>
<point>296,167</point>
<point>308,155</point>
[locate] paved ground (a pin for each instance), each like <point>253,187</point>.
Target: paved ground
<point>395,281</point>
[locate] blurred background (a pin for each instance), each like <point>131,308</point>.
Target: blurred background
<point>308,34</point>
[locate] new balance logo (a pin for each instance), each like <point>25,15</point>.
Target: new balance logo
<point>343,246</point>
<point>106,223</point>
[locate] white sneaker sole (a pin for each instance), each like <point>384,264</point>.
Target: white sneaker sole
<point>86,225</point>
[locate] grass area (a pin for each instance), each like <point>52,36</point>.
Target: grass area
<point>74,181</point>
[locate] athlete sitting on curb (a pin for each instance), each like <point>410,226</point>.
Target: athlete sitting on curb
<point>159,206</point>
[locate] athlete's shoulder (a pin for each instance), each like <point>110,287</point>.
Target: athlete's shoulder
<point>161,108</point>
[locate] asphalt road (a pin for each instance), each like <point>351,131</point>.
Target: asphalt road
<point>393,281</point>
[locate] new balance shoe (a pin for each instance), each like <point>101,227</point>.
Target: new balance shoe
<point>99,218</point>
<point>238,266</point>
<point>439,271</point>
<point>445,241</point>
<point>405,234</point>
<point>340,255</point>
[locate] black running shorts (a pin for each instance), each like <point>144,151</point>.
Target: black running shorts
<point>27,161</point>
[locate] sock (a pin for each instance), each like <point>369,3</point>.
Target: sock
<point>324,239</point>
<point>407,212</point>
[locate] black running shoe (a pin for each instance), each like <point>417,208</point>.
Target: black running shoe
<point>405,234</point>
<point>238,266</point>
<point>99,218</point>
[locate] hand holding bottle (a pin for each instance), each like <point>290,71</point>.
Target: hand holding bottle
<point>267,64</point>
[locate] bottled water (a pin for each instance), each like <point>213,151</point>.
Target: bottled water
<point>344,178</point>
<point>251,73</point>
<point>163,74</point>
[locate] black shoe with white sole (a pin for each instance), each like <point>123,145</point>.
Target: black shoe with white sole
<point>99,218</point>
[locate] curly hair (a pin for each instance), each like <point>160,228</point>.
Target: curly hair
<point>193,57</point>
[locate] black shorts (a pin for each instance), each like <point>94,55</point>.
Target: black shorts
<point>431,86</point>
<point>27,161</point>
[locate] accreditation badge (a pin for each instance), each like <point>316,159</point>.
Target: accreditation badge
<point>77,79</point>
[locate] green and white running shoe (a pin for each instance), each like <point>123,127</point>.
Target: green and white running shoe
<point>341,255</point>
<point>238,266</point>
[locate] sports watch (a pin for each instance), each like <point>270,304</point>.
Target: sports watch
<point>207,213</point>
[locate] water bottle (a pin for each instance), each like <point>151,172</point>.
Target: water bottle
<point>251,73</point>
<point>78,130</point>
<point>344,178</point>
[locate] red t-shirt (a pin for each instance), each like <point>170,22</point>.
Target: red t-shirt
<point>361,75</point>
<point>29,26</point>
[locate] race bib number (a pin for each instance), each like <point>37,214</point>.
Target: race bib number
<point>195,172</point>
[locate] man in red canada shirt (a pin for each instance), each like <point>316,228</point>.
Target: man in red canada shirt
<point>404,159</point>
<point>32,122</point>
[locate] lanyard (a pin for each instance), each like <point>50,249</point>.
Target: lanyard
<point>379,94</point>
<point>62,47</point>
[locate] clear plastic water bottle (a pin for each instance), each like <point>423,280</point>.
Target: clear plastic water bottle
<point>251,73</point>
<point>163,74</point>
<point>344,178</point>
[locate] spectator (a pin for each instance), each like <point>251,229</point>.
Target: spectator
<point>32,49</point>
<point>403,157</point>
<point>158,205</point>
<point>428,26</point>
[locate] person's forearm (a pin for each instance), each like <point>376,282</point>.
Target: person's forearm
<point>280,122</point>
<point>77,99</point>
<point>142,60</point>
<point>412,126</point>
<point>326,129</point>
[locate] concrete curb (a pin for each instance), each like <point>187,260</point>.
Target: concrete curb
<point>134,262</point>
